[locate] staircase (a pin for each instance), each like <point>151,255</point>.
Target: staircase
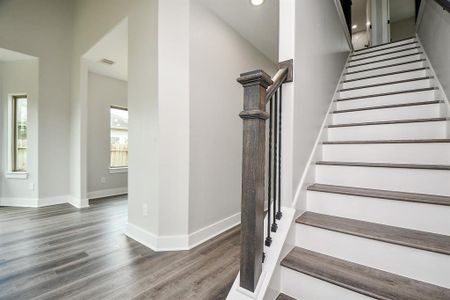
<point>377,223</point>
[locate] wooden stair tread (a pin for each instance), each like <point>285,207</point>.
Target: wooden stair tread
<point>387,106</point>
<point>385,165</point>
<point>388,94</point>
<point>427,241</point>
<point>384,59</point>
<point>383,67</point>
<point>386,53</point>
<point>284,297</point>
<point>382,194</point>
<point>361,279</point>
<point>388,122</point>
<point>428,141</point>
<point>386,83</point>
<point>386,74</point>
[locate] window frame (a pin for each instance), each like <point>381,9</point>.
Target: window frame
<point>14,132</point>
<point>118,169</point>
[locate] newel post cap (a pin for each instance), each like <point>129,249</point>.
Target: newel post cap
<point>257,77</point>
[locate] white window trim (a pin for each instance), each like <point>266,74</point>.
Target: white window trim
<point>16,175</point>
<point>118,170</point>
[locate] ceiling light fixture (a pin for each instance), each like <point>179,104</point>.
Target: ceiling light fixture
<point>256,2</point>
<point>354,26</point>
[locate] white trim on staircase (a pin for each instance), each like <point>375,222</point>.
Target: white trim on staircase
<point>300,193</point>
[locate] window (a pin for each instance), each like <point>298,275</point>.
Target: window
<point>119,137</point>
<point>19,133</point>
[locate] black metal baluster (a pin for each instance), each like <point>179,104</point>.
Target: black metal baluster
<point>269,182</point>
<point>275,173</point>
<point>279,213</point>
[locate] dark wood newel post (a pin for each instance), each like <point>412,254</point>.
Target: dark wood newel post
<point>254,118</point>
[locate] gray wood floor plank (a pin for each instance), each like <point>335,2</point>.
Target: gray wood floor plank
<point>60,252</point>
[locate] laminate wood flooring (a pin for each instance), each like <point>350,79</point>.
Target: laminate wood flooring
<point>60,252</point>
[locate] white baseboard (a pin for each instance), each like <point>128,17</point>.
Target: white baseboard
<point>154,242</point>
<point>107,193</point>
<point>47,201</point>
<point>19,202</point>
<point>181,242</point>
<point>202,235</point>
<point>78,202</point>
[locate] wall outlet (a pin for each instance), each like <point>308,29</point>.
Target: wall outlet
<point>103,180</point>
<point>145,209</point>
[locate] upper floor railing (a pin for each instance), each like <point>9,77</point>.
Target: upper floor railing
<point>261,184</point>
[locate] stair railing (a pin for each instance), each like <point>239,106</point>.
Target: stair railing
<point>259,91</point>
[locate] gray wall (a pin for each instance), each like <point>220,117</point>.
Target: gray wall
<point>320,55</point>
<point>403,29</point>
<point>102,93</point>
<point>20,77</point>
<point>218,54</point>
<point>434,33</point>
<point>51,42</point>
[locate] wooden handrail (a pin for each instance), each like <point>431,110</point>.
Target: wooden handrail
<point>258,90</point>
<point>283,75</point>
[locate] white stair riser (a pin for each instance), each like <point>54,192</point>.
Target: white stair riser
<point>403,67</point>
<point>384,51</point>
<point>413,263</point>
<point>420,153</point>
<point>429,95</point>
<point>361,60</point>
<point>385,79</point>
<point>386,114</point>
<point>395,179</point>
<point>301,286</point>
<point>389,45</point>
<point>419,130</point>
<point>384,63</point>
<point>390,212</point>
<point>405,86</point>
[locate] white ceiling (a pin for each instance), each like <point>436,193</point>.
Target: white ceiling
<point>8,55</point>
<point>402,9</point>
<point>113,46</point>
<point>359,15</point>
<point>257,24</point>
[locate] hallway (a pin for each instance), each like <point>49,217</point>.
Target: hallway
<point>60,252</point>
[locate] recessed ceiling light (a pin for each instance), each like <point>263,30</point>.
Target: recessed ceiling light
<point>256,2</point>
<point>354,26</point>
